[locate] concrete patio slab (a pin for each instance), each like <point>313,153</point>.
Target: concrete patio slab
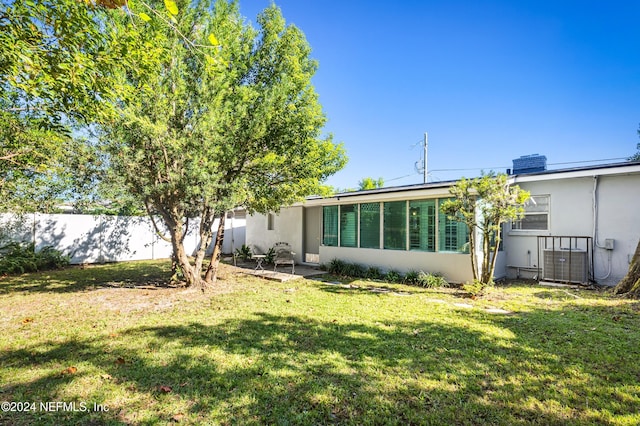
<point>281,275</point>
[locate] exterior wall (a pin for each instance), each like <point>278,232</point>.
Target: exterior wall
<point>287,227</point>
<point>571,213</point>
<point>95,239</point>
<point>501,265</point>
<point>455,267</point>
<point>579,205</point>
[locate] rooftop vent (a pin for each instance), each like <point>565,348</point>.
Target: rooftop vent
<point>529,164</point>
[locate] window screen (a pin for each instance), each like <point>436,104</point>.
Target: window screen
<point>422,225</point>
<point>370,225</point>
<point>453,236</point>
<point>536,214</point>
<point>330,225</point>
<point>348,225</point>
<point>395,225</point>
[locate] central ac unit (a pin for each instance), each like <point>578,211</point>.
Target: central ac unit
<point>565,265</point>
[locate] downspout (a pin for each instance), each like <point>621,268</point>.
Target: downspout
<point>595,228</point>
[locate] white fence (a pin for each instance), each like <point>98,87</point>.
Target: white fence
<point>97,239</point>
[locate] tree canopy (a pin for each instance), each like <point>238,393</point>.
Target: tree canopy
<point>370,183</point>
<point>484,204</point>
<point>215,114</point>
<point>54,75</point>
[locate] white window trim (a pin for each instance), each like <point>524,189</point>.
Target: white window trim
<point>516,231</point>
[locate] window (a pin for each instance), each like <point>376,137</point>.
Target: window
<point>271,218</point>
<point>330,225</point>
<point>536,214</point>
<point>348,225</point>
<point>422,225</point>
<point>395,225</point>
<point>453,236</point>
<point>370,225</point>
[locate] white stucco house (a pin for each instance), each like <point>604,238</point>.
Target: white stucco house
<point>581,225</point>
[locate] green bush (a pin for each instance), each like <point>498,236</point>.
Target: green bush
<point>355,270</point>
<point>429,280</point>
<point>393,276</point>
<point>373,273</point>
<point>475,288</point>
<point>21,258</point>
<point>336,267</point>
<point>412,277</point>
<point>270,256</point>
<point>244,252</point>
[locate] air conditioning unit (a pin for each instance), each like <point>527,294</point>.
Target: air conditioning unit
<point>565,265</point>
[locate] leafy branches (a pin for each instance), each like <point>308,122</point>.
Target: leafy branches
<point>484,204</point>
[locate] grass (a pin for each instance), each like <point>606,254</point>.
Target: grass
<point>309,352</point>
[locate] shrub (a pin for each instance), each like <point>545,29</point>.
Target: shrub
<point>21,258</point>
<point>412,277</point>
<point>244,252</point>
<point>355,270</point>
<point>373,273</point>
<point>429,280</point>
<point>50,258</point>
<point>336,267</point>
<point>270,256</point>
<point>393,276</point>
<point>475,288</point>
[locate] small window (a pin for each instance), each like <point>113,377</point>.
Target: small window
<point>271,219</point>
<point>330,225</point>
<point>395,225</point>
<point>348,225</point>
<point>453,236</point>
<point>536,215</point>
<point>370,225</point>
<point>422,225</point>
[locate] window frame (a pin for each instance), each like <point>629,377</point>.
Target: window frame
<point>516,225</point>
<point>428,231</point>
<point>327,240</point>
<point>375,226</point>
<point>344,231</point>
<point>386,244</point>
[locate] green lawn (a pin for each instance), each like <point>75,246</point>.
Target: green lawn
<point>307,352</point>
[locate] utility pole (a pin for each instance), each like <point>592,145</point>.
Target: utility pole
<point>426,144</point>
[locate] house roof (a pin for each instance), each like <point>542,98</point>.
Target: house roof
<point>628,167</point>
<point>442,187</point>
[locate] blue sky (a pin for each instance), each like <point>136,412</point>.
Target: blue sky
<point>488,80</point>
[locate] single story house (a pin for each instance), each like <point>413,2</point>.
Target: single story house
<point>582,224</point>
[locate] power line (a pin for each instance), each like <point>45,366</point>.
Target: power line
<point>505,167</point>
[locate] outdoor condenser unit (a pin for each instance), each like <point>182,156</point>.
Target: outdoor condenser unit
<point>566,265</point>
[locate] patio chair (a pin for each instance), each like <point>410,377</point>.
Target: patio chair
<point>283,256</point>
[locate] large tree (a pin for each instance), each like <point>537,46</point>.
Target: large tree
<point>630,284</point>
<point>484,204</point>
<point>54,75</point>
<point>216,114</point>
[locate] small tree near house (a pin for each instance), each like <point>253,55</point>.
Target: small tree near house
<point>484,204</point>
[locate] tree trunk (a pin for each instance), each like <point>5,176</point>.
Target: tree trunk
<point>211,275</point>
<point>206,222</point>
<point>630,284</point>
<point>191,275</point>
<point>177,231</point>
<point>494,250</point>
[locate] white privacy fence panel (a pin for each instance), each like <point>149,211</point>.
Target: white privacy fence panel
<point>96,239</point>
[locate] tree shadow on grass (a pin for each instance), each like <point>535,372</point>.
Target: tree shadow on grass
<point>286,369</point>
<point>91,277</point>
